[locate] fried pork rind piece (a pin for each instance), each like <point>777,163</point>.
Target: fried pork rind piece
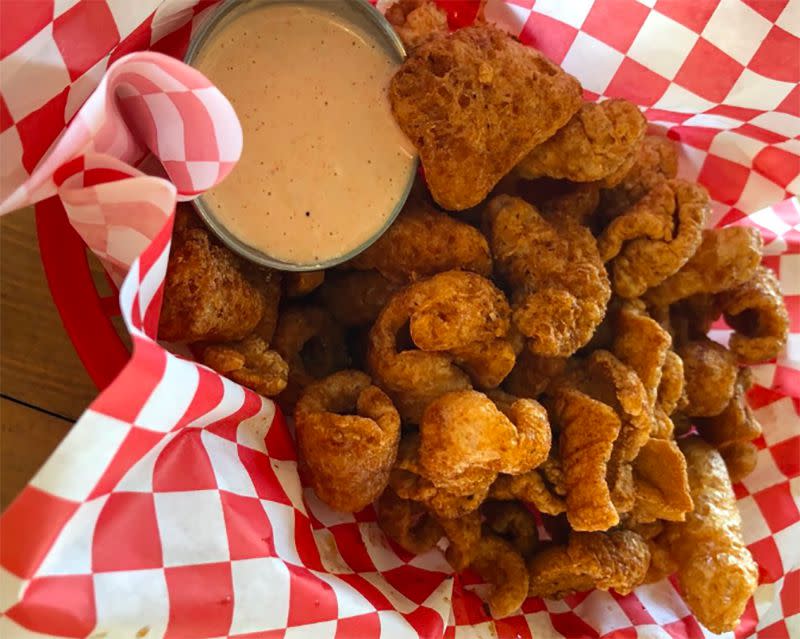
<point>422,242</point>
<point>598,141</point>
<point>670,390</point>
<point>661,483</point>
<point>655,237</point>
<point>740,458</point>
<point>407,480</point>
<point>474,103</point>
<point>710,372</point>
<point>560,287</point>
<point>449,317</point>
<point>757,313</point>
<point>313,345</point>
<point>206,296</point>
<point>416,21</point>
<point>464,535</point>
<point>249,363</point>
<point>532,374</point>
<point>617,560</point>
<point>268,282</point>
<point>725,258</point>
<point>499,563</point>
<point>407,522</point>
<point>579,203</point>
<point>514,523</point>
<point>356,298</point>
<point>589,429</point>
<point>463,435</point>
<point>656,160</point>
<point>531,488</point>
<point>302,283</point>
<point>347,436</point>
<point>716,572</point>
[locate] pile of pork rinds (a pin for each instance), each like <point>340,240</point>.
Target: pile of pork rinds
<point>539,356</point>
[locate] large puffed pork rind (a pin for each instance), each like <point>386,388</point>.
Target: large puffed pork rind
<point>655,237</point>
<point>347,437</point>
<point>407,522</point>
<point>598,140</point>
<point>560,287</point>
<point>661,483</point>
<point>206,295</point>
<point>710,372</point>
<point>463,433</point>
<point>617,560</point>
<point>589,429</point>
<point>249,363</point>
<point>499,563</point>
<point>416,21</point>
<point>757,313</point>
<point>422,242</point>
<point>716,571</point>
<point>474,103</point>
<point>725,258</point>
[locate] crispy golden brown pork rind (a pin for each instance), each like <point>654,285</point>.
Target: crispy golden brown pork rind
<point>716,572</point>
<point>249,363</point>
<point>514,523</point>
<point>710,372</point>
<point>661,483</point>
<point>347,436</point>
<point>532,374</point>
<point>407,522</point>
<point>268,282</point>
<point>617,560</point>
<point>449,316</point>
<point>531,488</point>
<point>670,390</point>
<point>757,312</point>
<point>740,457</point>
<point>657,160</point>
<point>206,296</point>
<point>736,421</point>
<point>499,563</point>
<point>464,535</point>
<point>725,258</point>
<point>589,429</point>
<point>560,287</point>
<point>597,142</point>
<point>422,242</point>
<point>356,298</point>
<point>655,237</point>
<point>463,434</point>
<point>474,103</point>
<point>416,21</point>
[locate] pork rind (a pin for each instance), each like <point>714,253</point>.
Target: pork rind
<point>416,21</point>
<point>422,242</point>
<point>725,258</point>
<point>531,488</point>
<point>617,560</point>
<point>313,345</point>
<point>560,287</point>
<point>268,282</point>
<point>716,572</point>
<point>579,203</point>
<point>598,141</point>
<point>740,459</point>
<point>710,372</point>
<point>514,523</point>
<point>589,429</point>
<point>464,534</point>
<point>206,296</point>
<point>474,103</point>
<point>302,283</point>
<point>661,483</point>
<point>356,298</point>
<point>249,363</point>
<point>532,374</point>
<point>670,390</point>
<point>347,437</point>
<point>757,313</point>
<point>655,237</point>
<point>656,161</point>
<point>407,522</point>
<point>449,317</point>
<point>500,564</point>
<point>464,435</point>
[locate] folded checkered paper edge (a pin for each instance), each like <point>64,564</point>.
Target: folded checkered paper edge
<point>182,487</point>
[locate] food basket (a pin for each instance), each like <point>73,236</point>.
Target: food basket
<point>174,507</point>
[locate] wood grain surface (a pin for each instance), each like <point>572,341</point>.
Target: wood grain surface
<point>43,384</point>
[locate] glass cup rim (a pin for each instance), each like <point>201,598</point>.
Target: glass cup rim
<point>384,34</point>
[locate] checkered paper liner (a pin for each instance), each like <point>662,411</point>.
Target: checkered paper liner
<point>174,507</point>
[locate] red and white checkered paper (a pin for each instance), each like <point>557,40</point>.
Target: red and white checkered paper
<point>174,508</point>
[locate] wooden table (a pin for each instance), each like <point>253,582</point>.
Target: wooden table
<point>43,385</point>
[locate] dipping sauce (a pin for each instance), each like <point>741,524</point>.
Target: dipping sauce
<point>324,164</point>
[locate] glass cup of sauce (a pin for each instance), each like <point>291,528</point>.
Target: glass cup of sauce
<point>325,169</point>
